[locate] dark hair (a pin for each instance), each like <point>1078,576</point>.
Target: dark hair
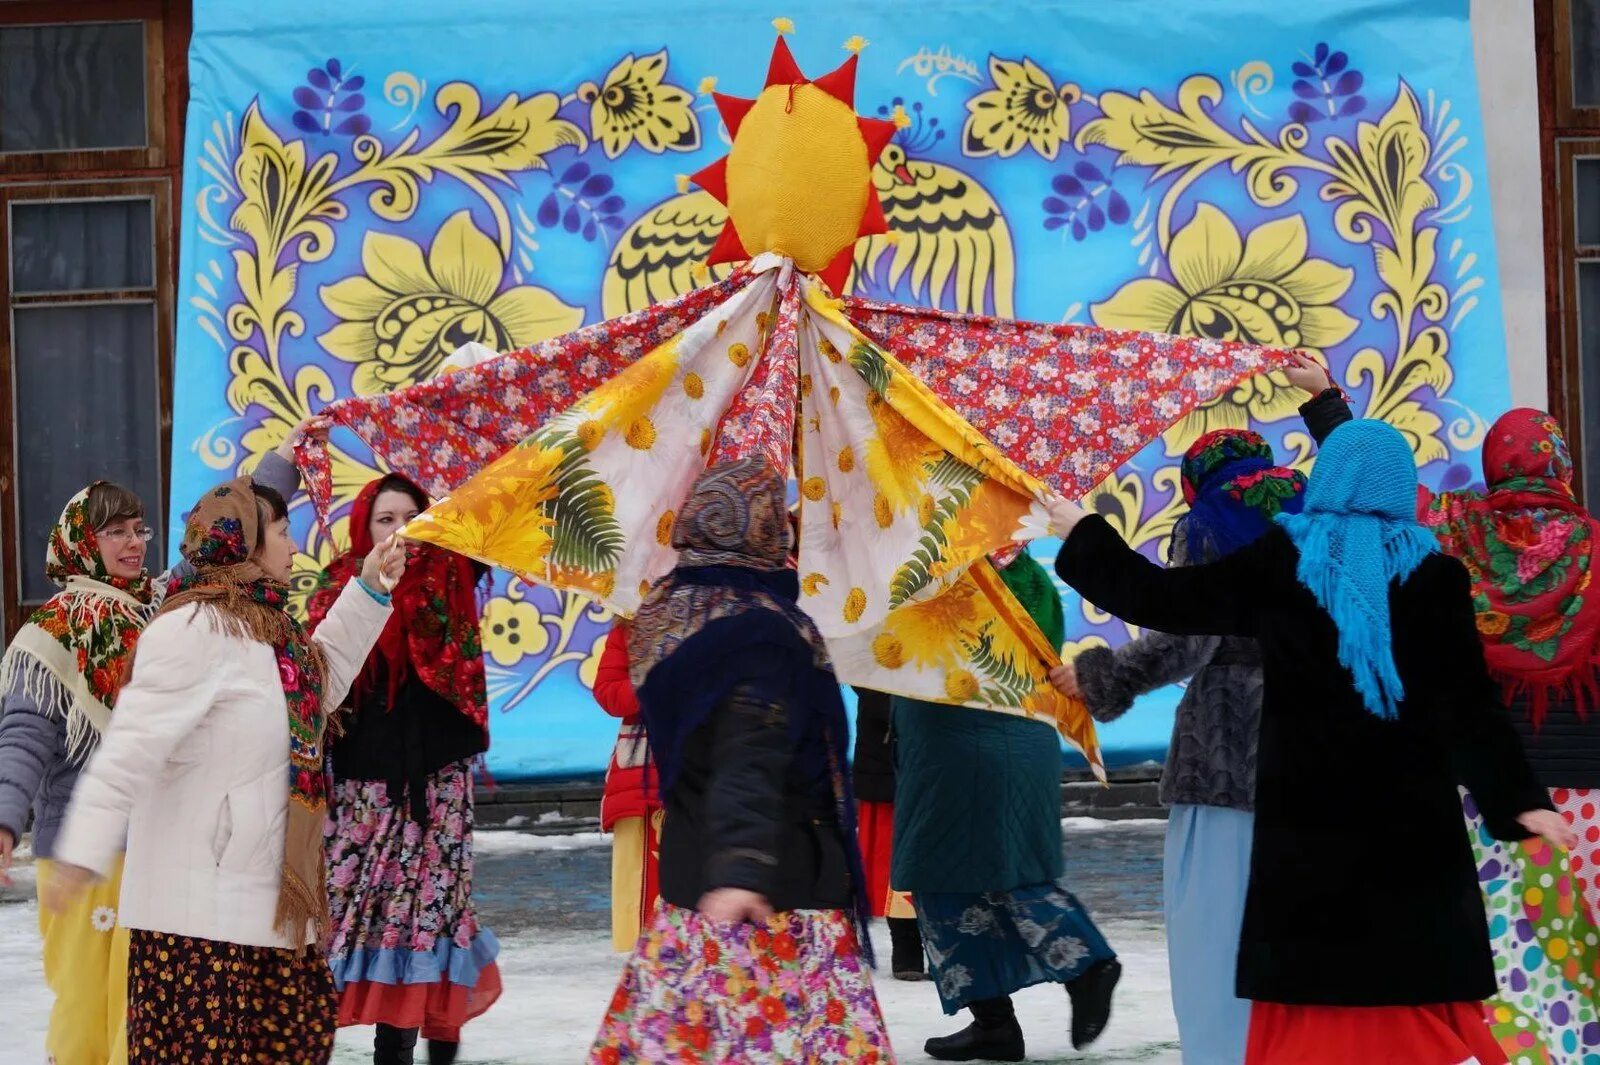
<point>109,503</point>
<point>270,507</point>
<point>394,482</point>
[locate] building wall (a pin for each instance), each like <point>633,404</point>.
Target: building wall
<point>1502,37</point>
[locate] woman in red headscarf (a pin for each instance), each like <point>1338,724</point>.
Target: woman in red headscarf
<point>407,952</point>
<point>1529,547</point>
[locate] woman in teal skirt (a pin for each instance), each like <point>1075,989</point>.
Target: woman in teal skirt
<point>977,842</point>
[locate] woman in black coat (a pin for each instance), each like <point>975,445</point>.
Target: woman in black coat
<point>1376,705</point>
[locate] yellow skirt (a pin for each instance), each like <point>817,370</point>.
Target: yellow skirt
<point>635,852</point>
<point>86,968</point>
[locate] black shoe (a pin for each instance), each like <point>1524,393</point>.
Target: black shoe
<point>906,936</point>
<point>976,1043</point>
<point>441,1052</point>
<point>1091,1001</point>
<point>394,1046</point>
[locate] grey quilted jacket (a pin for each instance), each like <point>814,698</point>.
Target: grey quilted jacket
<point>1211,760</point>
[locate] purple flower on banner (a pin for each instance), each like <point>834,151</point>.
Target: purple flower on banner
<point>330,102</point>
<point>582,202</point>
<point>1083,202</point>
<point>1326,86</point>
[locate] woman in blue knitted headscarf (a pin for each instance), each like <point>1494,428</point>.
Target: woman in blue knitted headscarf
<point>1376,704</point>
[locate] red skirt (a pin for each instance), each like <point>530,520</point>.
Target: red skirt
<point>1448,1033</point>
<point>875,830</point>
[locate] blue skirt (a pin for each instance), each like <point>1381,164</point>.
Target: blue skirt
<point>1203,887</point>
<point>989,945</point>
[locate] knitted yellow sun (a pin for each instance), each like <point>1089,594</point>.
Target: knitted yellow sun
<point>798,179</point>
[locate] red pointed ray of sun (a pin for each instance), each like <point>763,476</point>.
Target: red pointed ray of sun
<point>798,179</point>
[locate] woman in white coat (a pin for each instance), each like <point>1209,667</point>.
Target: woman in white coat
<point>212,770</point>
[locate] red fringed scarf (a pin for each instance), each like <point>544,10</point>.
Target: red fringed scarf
<point>1528,546</point>
<point>434,632</point>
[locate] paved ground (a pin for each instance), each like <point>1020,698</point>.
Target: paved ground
<point>546,897</point>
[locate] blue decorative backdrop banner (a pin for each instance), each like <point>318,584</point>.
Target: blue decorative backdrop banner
<point>368,186</point>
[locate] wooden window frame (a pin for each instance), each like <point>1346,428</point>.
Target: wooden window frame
<point>1564,114</point>
<point>1566,133</point>
<point>154,171</point>
<point>76,161</point>
<point>161,292</point>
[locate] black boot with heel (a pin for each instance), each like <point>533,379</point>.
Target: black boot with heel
<point>993,1035</point>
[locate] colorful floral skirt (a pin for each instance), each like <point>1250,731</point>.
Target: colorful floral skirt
<point>1450,1033</point>
<point>794,989</point>
<point>989,945</point>
<point>204,1002</point>
<point>406,949</point>
<point>1546,950</point>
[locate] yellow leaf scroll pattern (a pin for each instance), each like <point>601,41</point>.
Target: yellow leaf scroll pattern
<point>1266,286</point>
<point>289,203</point>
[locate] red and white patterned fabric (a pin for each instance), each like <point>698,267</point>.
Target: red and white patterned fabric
<point>1067,403</point>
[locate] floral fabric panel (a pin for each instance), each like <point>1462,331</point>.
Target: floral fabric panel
<point>1068,403</point>
<point>441,431</point>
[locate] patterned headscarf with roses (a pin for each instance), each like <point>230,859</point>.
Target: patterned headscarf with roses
<point>70,656</point>
<point>1527,544</point>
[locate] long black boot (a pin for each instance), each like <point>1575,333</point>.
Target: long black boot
<point>1091,1001</point>
<point>394,1046</point>
<point>993,1035</point>
<point>905,936</point>
<point>442,1052</point>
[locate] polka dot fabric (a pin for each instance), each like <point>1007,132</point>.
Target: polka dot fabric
<point>1546,947</point>
<point>1581,808</point>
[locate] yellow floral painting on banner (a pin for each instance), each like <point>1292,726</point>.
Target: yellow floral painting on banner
<point>359,203</point>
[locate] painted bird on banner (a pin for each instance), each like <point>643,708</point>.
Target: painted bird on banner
<point>948,242</point>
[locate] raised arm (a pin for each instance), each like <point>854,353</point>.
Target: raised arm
<point>347,636</point>
<point>1216,599</point>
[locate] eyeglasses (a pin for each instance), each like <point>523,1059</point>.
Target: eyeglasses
<point>119,536</point>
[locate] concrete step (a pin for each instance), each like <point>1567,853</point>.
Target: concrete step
<point>561,807</point>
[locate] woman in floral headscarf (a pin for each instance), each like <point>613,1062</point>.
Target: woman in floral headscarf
<point>753,954</point>
<point>407,952</point>
<point>1529,547</point>
<point>211,770</point>
<point>58,684</point>
<point>1234,491</point>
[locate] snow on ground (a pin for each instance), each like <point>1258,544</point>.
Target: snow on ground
<point>558,968</point>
